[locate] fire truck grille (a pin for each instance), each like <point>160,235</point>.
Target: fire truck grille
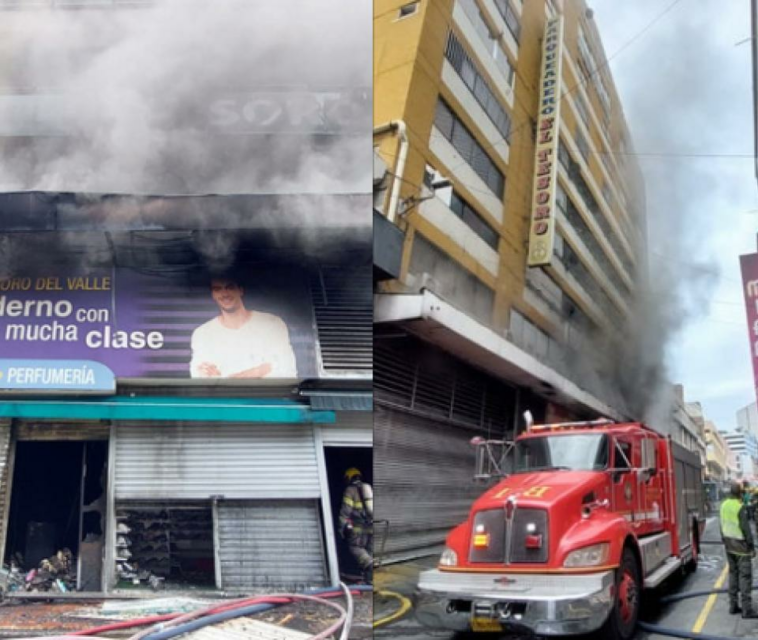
<point>493,523</point>
<point>529,536</point>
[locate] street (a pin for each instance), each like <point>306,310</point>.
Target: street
<point>687,615</point>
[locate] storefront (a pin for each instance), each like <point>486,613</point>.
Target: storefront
<point>162,458</point>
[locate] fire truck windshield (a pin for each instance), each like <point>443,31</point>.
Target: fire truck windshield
<point>577,452</point>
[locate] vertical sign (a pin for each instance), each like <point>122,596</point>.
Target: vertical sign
<point>542,230</point>
<point>749,265</point>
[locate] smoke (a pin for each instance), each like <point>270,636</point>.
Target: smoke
<point>187,98</point>
<point>672,93</point>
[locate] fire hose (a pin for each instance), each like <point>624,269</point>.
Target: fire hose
<point>177,624</point>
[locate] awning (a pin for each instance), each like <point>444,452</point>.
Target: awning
<point>157,409</point>
<point>438,322</point>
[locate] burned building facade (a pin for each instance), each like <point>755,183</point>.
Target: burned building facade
<point>185,363</point>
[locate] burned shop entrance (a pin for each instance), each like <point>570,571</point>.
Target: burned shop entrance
<point>165,544</point>
<point>56,523</point>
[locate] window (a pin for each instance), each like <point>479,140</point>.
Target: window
<point>510,17</point>
<point>474,80</point>
<point>623,458</point>
<point>489,39</point>
<point>607,195</point>
<point>583,109</point>
<point>586,59</point>
<point>579,452</point>
<point>563,156</point>
<point>602,93</point>
<point>478,224</point>
<point>407,10</point>
<point>471,151</point>
<point>583,145</point>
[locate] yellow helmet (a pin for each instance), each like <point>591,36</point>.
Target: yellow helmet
<point>351,473</point>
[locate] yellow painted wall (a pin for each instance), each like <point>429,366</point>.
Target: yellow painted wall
<point>409,55</point>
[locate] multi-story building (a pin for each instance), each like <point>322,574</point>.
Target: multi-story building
<point>745,448</point>
<point>138,428</point>
<point>521,221</point>
<point>747,419</point>
<point>718,454</point>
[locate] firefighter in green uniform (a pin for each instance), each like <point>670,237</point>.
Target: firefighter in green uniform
<point>357,520</point>
<point>738,541</point>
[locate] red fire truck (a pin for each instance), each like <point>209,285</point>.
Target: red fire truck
<point>587,516</point>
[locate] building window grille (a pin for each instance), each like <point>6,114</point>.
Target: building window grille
<point>469,149</point>
<point>510,17</point>
<point>478,224</point>
<point>474,80</point>
<point>490,40</point>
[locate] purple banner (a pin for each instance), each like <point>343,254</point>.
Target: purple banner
<point>251,325</point>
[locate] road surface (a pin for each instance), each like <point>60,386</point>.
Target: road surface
<point>707,616</point>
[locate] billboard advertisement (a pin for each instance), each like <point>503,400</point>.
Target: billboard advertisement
<point>749,266</point>
<point>66,331</point>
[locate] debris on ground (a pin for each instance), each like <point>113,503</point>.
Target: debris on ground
<point>56,574</point>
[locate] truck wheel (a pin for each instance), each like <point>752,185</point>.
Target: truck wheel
<point>623,617</point>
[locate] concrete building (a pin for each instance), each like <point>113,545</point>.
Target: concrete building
<point>747,419</point>
<point>718,454</point>
<point>745,448</point>
<point>516,222</point>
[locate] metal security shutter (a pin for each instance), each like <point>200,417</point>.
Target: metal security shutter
<point>343,304</point>
<point>428,407</point>
<point>352,429</point>
<point>423,483</point>
<point>266,543</point>
<point>197,461</point>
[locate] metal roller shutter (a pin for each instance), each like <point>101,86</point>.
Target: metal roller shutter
<point>352,429</point>
<point>423,483</point>
<point>270,544</point>
<point>428,407</point>
<point>197,461</point>
<point>344,309</point>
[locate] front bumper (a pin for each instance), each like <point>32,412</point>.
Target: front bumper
<point>543,604</point>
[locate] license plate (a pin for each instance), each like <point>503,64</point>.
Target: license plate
<point>485,625</point>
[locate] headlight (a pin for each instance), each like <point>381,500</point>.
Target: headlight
<point>591,556</point>
<point>449,558</point>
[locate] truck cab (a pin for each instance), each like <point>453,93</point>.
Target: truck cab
<point>586,516</point>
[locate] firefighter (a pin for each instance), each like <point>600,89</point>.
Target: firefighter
<point>357,520</point>
<point>738,542</point>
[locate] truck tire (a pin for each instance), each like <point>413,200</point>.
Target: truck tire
<point>622,620</point>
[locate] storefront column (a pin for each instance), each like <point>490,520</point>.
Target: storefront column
<point>326,509</point>
<point>7,458</point>
<point>109,570</point>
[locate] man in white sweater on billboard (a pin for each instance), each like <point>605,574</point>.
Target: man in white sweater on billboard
<point>240,343</point>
